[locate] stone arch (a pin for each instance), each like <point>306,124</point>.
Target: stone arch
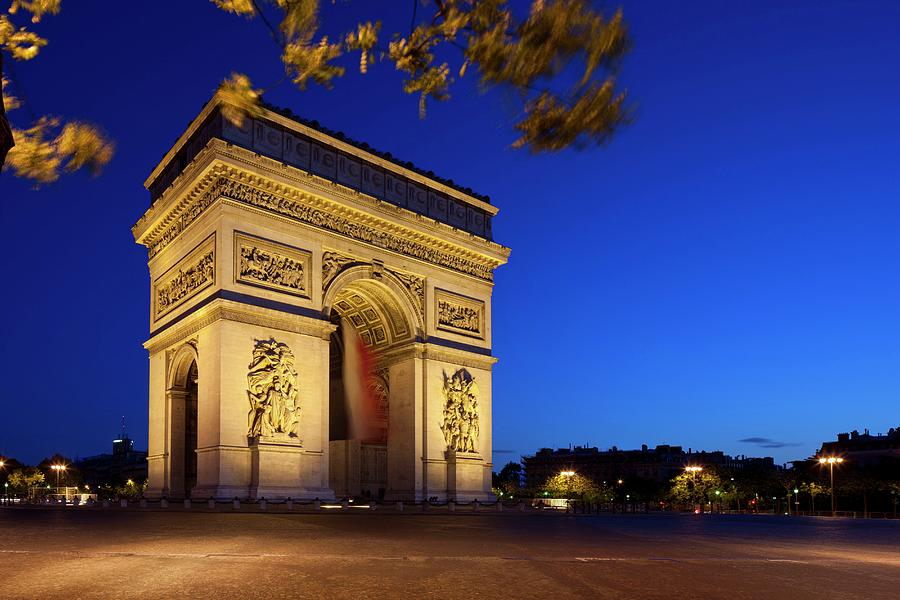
<point>180,364</point>
<point>182,399</point>
<point>380,308</point>
<point>403,319</point>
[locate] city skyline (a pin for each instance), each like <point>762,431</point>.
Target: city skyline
<point>503,456</point>
<point>725,270</point>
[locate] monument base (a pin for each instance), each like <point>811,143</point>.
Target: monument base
<point>276,464</point>
<point>465,477</point>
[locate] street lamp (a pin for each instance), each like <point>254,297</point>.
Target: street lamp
<point>830,461</point>
<point>58,469</point>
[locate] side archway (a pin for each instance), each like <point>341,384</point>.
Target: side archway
<point>182,396</point>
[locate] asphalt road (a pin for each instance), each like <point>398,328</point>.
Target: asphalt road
<point>133,554</point>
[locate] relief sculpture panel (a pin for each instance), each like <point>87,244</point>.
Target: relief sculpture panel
<point>193,273</point>
<point>272,391</point>
<point>268,264</point>
<point>460,425</point>
<point>459,314</point>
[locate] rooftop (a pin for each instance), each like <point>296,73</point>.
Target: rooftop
<point>278,134</point>
<point>340,135</point>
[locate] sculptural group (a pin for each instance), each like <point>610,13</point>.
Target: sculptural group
<point>460,425</point>
<point>272,391</point>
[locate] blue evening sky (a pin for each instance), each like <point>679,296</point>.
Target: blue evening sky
<point>726,269</point>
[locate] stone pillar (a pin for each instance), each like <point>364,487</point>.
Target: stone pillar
<point>158,441</point>
<point>452,473</point>
<point>230,464</point>
<point>404,444</point>
<point>174,486</point>
<point>344,467</point>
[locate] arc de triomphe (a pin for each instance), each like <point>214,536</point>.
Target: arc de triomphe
<point>262,240</point>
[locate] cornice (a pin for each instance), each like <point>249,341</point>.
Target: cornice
<point>242,313</point>
<point>286,178</point>
<point>437,353</point>
<point>226,171</point>
<point>190,184</point>
<point>459,357</point>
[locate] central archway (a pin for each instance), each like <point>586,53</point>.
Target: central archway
<point>385,322</point>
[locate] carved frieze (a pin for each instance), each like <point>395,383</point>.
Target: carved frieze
<point>415,286</point>
<point>193,273</point>
<point>460,425</point>
<point>272,391</point>
<point>459,314</point>
<point>271,265</point>
<point>332,264</point>
<point>306,213</point>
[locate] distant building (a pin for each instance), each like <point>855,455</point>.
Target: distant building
<point>864,448</point>
<point>657,464</point>
<point>117,468</point>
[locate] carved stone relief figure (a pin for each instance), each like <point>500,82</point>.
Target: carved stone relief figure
<point>332,264</point>
<point>459,317</point>
<point>415,285</point>
<point>265,266</point>
<point>460,424</point>
<point>184,282</point>
<point>272,391</point>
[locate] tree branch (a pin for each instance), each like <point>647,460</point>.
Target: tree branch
<point>276,36</point>
<point>6,138</point>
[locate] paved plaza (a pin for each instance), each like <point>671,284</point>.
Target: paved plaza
<point>155,554</point>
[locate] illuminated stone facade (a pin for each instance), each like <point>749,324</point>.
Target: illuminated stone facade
<point>260,240</point>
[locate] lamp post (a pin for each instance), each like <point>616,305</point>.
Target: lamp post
<point>694,470</point>
<point>830,461</point>
<point>58,469</point>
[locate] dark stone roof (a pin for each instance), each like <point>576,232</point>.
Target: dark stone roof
<point>285,112</point>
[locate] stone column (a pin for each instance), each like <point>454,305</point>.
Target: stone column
<point>405,421</point>
<point>456,473</point>
<point>158,438</point>
<point>174,482</point>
